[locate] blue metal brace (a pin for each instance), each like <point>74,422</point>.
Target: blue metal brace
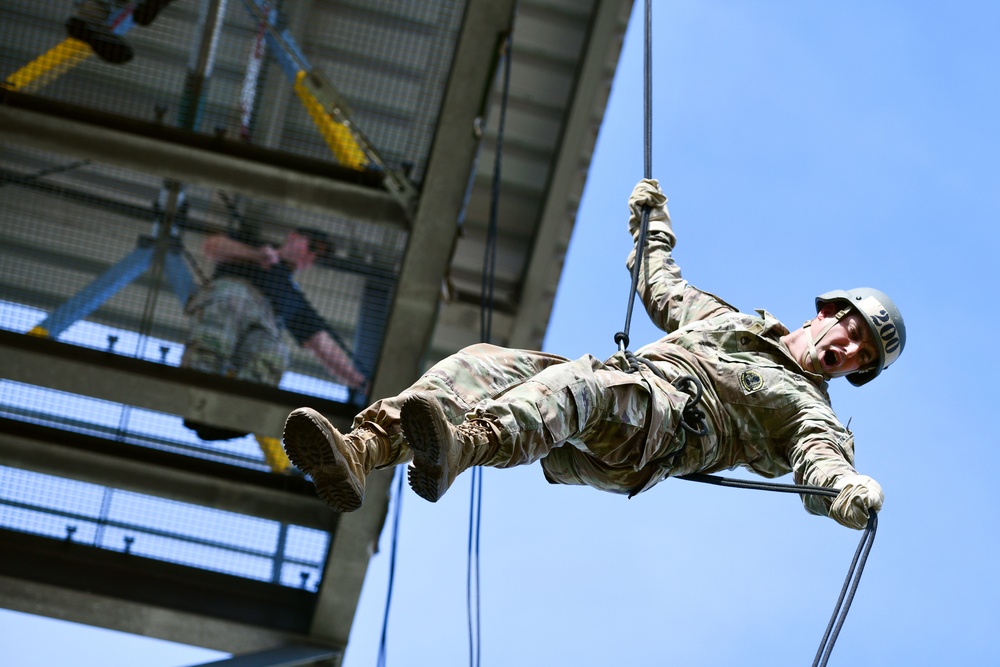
<point>112,281</point>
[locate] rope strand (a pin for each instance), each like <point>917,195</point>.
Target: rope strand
<point>693,419</point>
<point>621,338</point>
<point>847,596</point>
<point>853,573</point>
<point>647,94</point>
<point>486,324</point>
<point>398,495</point>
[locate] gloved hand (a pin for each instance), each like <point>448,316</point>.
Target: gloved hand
<point>647,193</point>
<point>858,494</point>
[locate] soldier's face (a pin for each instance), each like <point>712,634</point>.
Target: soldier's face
<point>848,345</point>
<point>299,254</point>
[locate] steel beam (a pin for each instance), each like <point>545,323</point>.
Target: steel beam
<point>163,474</point>
<point>202,397</point>
<point>199,163</point>
<point>418,291</point>
<point>147,620</point>
<point>581,123</point>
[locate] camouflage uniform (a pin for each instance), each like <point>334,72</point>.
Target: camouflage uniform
<point>234,332</point>
<point>595,423</point>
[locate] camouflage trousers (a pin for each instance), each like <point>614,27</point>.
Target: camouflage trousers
<point>589,422</point>
<point>234,332</point>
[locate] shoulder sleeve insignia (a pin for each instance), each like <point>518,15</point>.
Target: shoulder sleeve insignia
<point>751,381</point>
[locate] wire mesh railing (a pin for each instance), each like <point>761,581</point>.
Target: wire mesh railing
<point>212,67</point>
<point>161,529</point>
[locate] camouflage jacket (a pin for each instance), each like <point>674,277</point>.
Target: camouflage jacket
<point>764,411</point>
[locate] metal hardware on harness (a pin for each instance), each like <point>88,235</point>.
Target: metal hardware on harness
<point>692,417</point>
<point>622,339</point>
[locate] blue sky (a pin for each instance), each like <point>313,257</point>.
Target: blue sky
<point>804,146</point>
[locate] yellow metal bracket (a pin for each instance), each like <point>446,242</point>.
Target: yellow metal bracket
<point>337,135</point>
<point>49,66</point>
<point>274,454</point>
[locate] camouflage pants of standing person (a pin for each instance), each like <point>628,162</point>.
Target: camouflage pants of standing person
<point>234,333</point>
<point>589,422</point>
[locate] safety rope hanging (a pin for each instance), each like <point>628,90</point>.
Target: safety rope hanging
<point>472,591</point>
<point>855,571</point>
<point>693,418</point>
<point>621,338</point>
<point>400,474</point>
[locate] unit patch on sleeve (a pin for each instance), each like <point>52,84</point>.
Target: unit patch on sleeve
<point>751,381</point>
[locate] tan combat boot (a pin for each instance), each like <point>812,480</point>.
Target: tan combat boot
<point>441,451</point>
<point>338,464</point>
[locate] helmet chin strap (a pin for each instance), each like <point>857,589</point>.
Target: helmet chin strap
<point>811,355</point>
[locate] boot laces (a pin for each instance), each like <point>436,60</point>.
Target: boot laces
<point>480,442</point>
<point>368,445</point>
<point>477,432</point>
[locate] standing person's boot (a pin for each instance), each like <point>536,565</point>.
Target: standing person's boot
<point>337,463</point>
<point>441,450</point>
<point>89,24</point>
<point>108,46</point>
<point>145,12</point>
<point>211,433</point>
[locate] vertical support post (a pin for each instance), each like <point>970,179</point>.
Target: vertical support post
<point>279,554</point>
<point>251,79</point>
<point>177,273</point>
<point>188,118</point>
<point>201,65</point>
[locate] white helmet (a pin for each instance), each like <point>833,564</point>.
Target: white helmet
<point>884,320</point>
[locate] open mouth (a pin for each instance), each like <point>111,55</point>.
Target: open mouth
<point>830,359</point>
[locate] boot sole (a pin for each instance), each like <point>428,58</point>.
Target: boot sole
<point>146,12</point>
<point>108,47</point>
<point>308,448</point>
<point>420,423</point>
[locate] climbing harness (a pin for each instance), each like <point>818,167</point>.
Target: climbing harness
<point>693,418</point>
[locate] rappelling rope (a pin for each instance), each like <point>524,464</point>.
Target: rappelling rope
<point>486,326</point>
<point>853,573</point>
<point>621,338</point>
<point>693,418</point>
<point>400,473</point>
<point>847,592</point>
